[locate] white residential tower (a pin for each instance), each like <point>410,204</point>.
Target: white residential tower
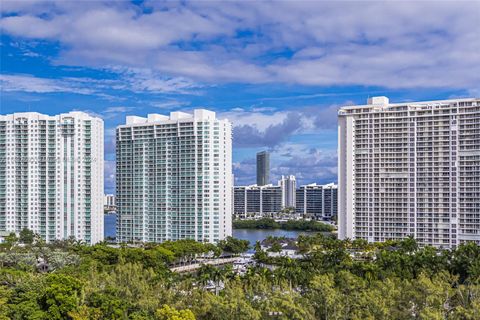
<point>174,178</point>
<point>289,186</point>
<point>51,175</point>
<point>410,169</point>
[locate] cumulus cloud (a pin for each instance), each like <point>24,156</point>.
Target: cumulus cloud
<point>308,165</point>
<point>269,129</point>
<point>250,136</point>
<point>389,44</point>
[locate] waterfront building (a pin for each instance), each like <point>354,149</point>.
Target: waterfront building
<point>263,168</point>
<point>289,186</point>
<point>174,178</point>
<point>271,199</point>
<point>109,202</point>
<point>317,201</point>
<point>257,200</point>
<point>51,175</point>
<point>410,169</point>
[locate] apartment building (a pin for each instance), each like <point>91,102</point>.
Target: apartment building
<point>317,201</point>
<point>109,203</point>
<point>410,169</point>
<point>257,200</point>
<point>289,186</point>
<point>174,178</point>
<point>109,200</point>
<point>51,175</point>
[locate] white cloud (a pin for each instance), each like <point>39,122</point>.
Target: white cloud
<point>142,80</point>
<point>389,44</point>
<point>134,80</point>
<point>119,109</point>
<point>264,128</point>
<point>169,104</point>
<point>29,83</point>
<point>260,120</point>
<point>108,113</point>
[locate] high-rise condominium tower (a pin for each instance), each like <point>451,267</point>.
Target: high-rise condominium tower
<point>174,178</point>
<point>263,168</point>
<point>289,186</point>
<point>410,169</point>
<point>51,175</point>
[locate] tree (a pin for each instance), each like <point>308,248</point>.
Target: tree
<point>233,245</point>
<point>276,247</point>
<point>169,313</point>
<point>10,241</point>
<point>26,236</point>
<point>61,295</point>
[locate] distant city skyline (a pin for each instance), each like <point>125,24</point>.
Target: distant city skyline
<point>279,78</point>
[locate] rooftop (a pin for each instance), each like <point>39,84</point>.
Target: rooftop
<point>383,102</point>
<point>199,114</point>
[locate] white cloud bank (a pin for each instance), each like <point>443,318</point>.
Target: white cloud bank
<point>396,44</point>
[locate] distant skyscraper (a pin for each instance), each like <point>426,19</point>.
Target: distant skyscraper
<point>410,169</point>
<point>263,168</point>
<point>174,178</point>
<point>318,201</point>
<point>51,175</point>
<point>109,202</point>
<point>289,186</point>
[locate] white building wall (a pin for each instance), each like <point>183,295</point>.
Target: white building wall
<point>289,187</point>
<point>346,182</point>
<point>196,161</point>
<point>45,188</point>
<point>410,169</point>
<point>109,200</point>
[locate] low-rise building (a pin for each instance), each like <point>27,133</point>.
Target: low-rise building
<point>317,201</point>
<point>257,200</point>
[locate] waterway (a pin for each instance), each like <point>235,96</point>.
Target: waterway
<point>252,235</point>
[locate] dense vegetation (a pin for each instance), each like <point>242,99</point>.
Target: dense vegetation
<point>335,280</point>
<point>268,223</point>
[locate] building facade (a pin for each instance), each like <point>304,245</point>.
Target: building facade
<point>109,200</point>
<point>410,169</point>
<point>257,200</point>
<point>51,175</point>
<point>289,186</point>
<point>109,203</point>
<point>263,168</point>
<point>174,178</point>
<point>317,201</point>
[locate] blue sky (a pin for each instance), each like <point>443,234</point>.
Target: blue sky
<point>279,70</point>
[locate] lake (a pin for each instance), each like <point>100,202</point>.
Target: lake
<point>252,235</point>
